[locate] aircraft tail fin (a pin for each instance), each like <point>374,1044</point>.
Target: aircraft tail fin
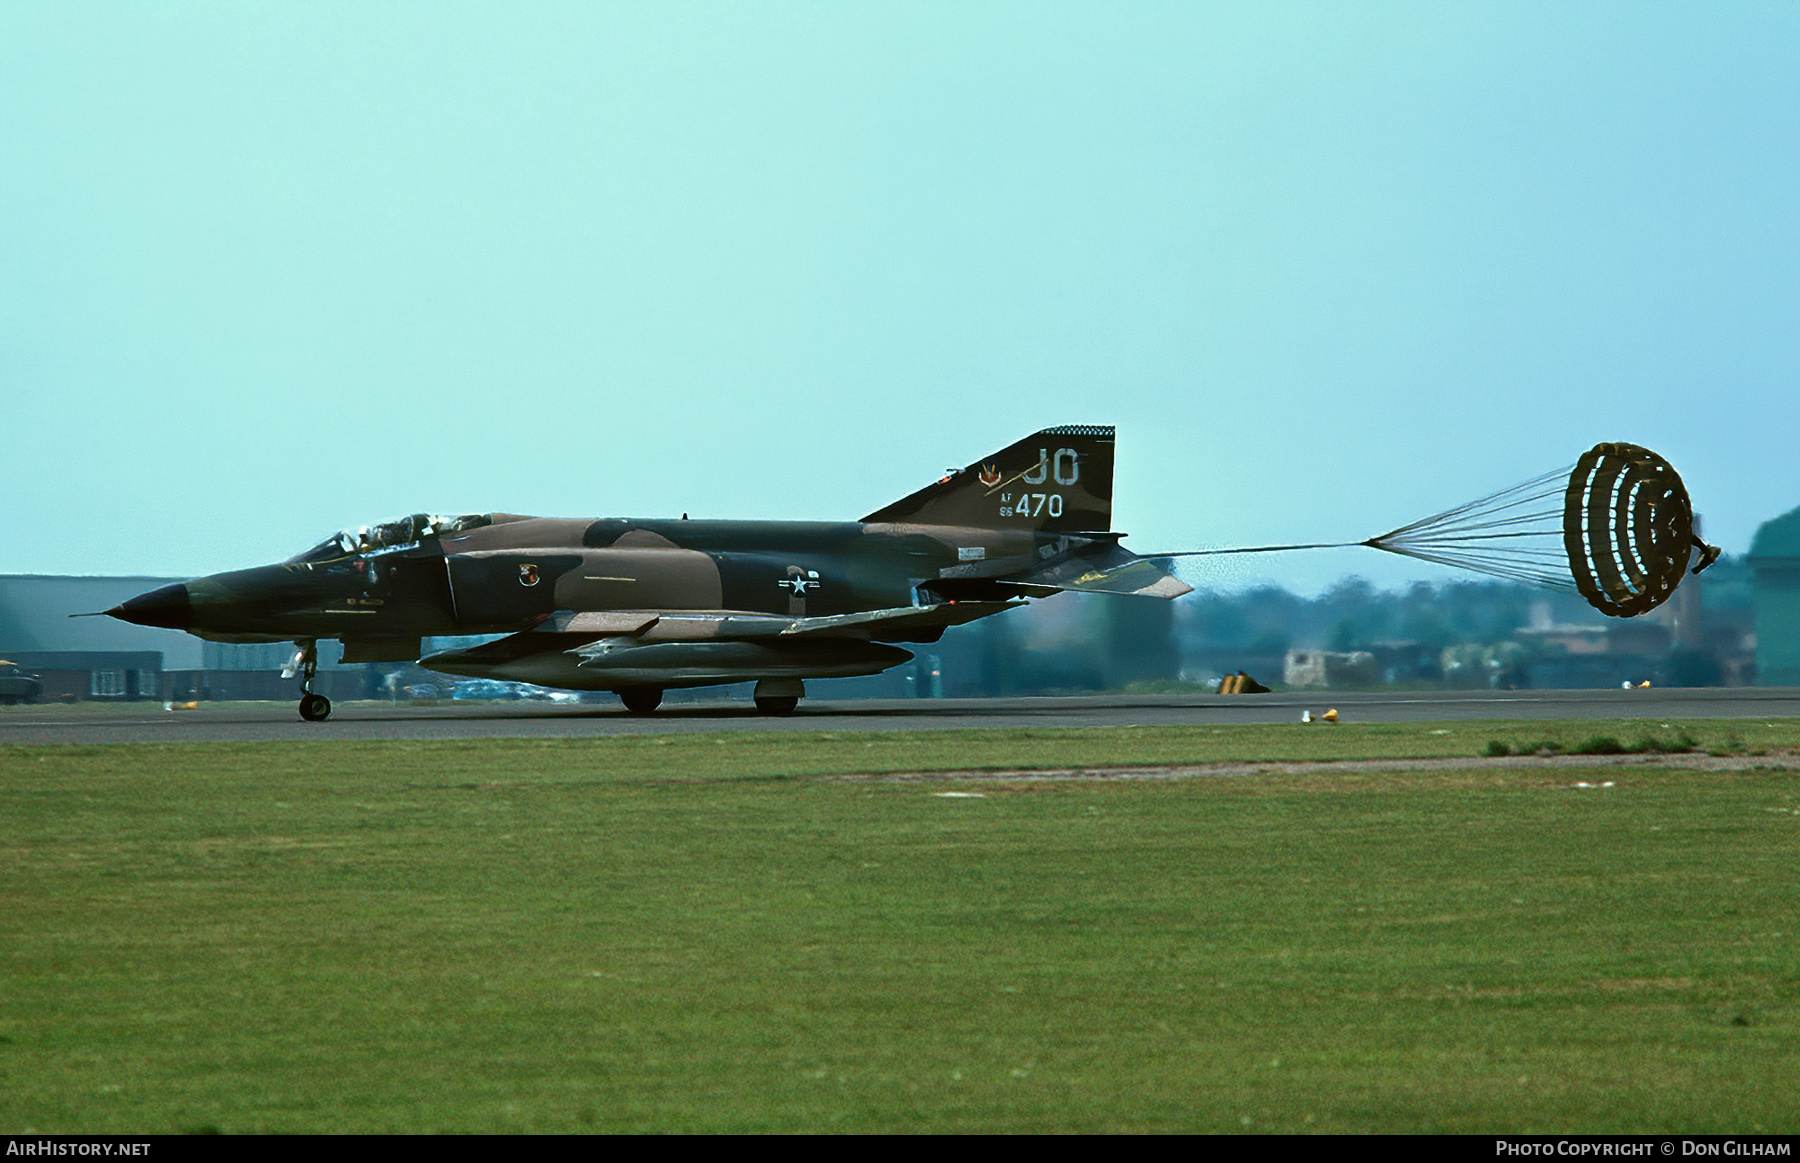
<point>1058,480</point>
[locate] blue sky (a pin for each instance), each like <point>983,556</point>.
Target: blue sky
<point>268,270</point>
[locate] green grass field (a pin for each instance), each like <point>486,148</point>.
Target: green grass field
<point>709,933</point>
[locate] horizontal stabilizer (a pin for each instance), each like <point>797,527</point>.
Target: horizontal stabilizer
<point>1138,575</point>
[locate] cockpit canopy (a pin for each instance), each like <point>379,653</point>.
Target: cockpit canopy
<point>390,536</point>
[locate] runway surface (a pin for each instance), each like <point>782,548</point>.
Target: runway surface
<point>240,722</point>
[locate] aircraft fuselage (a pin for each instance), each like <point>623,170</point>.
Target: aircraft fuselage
<point>513,574</point>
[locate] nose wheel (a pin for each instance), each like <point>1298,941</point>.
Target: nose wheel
<point>314,708</point>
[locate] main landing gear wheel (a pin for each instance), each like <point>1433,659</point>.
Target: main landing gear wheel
<point>778,696</point>
<point>641,700</point>
<point>315,708</point>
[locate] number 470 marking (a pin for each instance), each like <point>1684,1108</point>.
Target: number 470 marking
<point>1034,504</point>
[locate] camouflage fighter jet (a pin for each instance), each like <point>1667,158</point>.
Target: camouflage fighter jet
<point>639,606</point>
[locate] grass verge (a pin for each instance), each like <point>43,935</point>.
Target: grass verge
<point>691,933</point>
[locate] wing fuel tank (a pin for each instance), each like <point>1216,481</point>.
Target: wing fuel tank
<point>618,664</point>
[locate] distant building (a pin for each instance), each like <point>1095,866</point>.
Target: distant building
<point>73,675</point>
<point>1775,568</point>
<point>1330,669</point>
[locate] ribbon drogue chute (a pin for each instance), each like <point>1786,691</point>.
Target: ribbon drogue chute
<point>1617,528</point>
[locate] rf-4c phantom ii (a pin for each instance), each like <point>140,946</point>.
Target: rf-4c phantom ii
<point>640,606</point>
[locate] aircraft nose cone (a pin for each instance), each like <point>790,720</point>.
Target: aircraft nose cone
<point>170,606</point>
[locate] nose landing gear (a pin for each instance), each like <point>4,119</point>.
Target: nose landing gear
<point>314,708</point>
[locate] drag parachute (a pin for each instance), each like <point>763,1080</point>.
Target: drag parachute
<point>1616,527</point>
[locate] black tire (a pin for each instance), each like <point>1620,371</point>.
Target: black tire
<point>777,704</point>
<point>641,700</point>
<point>315,708</point>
